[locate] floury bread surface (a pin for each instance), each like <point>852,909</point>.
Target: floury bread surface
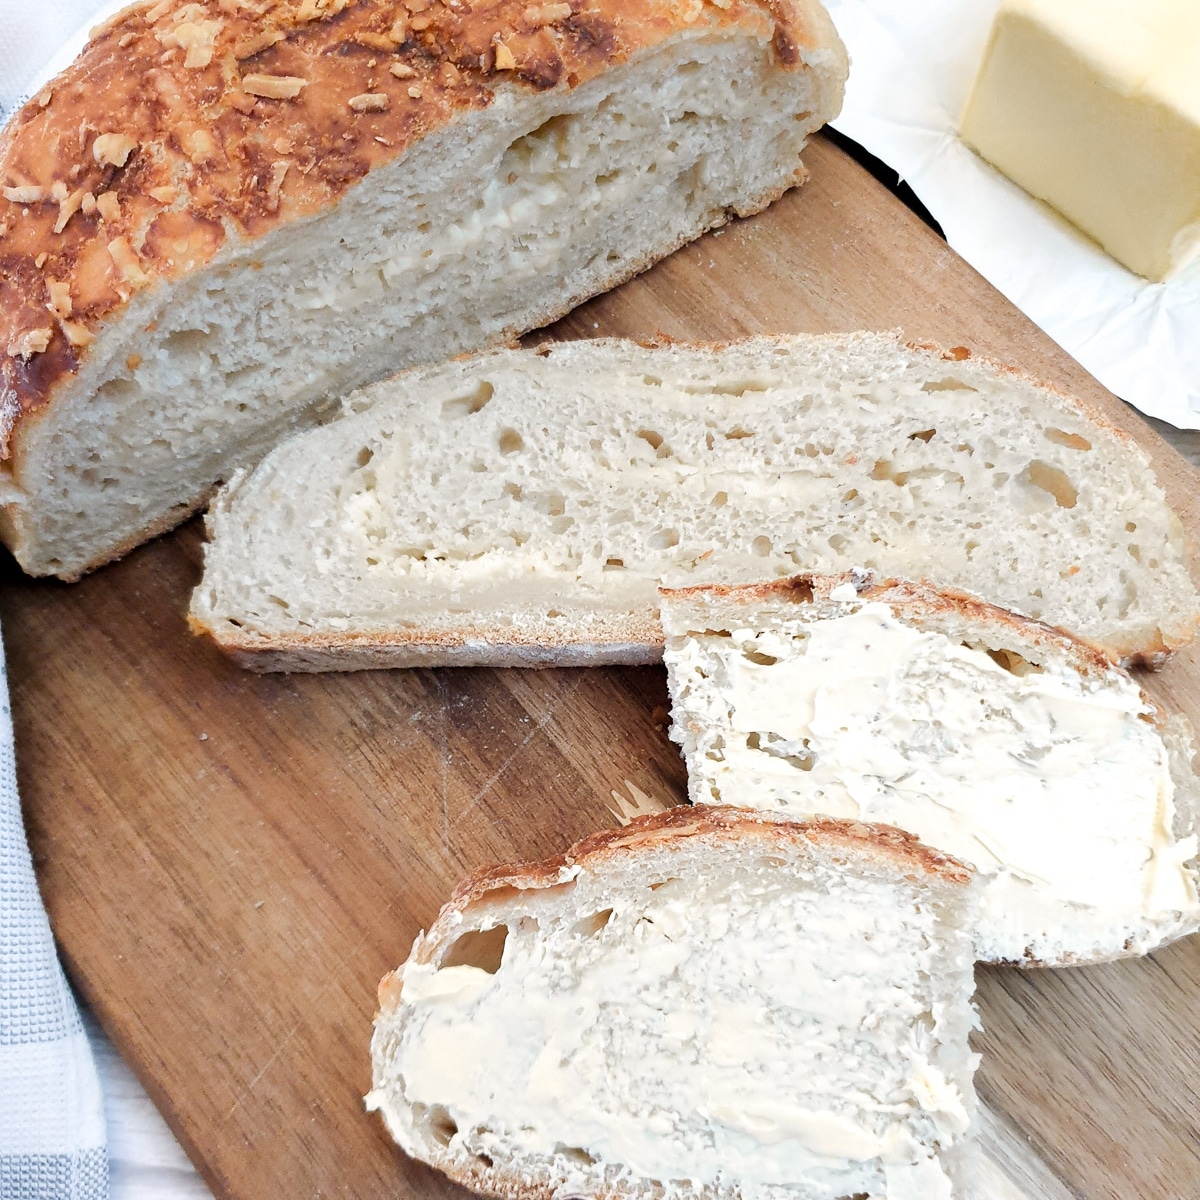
<point>226,215</point>
<point>521,507</point>
<point>1007,744</point>
<point>706,1004</point>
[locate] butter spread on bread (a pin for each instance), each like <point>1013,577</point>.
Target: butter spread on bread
<point>228,213</point>
<point>704,1004</point>
<point>1014,747</point>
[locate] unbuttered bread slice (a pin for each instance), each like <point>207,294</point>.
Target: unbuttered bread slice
<point>521,507</point>
<point>706,1005</point>
<point>1012,746</point>
<point>226,214</point>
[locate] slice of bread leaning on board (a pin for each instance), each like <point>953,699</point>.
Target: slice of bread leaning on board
<point>521,507</point>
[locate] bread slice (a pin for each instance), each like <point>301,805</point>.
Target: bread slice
<point>1010,745</point>
<point>704,1004</point>
<point>225,216</point>
<point>521,507</point>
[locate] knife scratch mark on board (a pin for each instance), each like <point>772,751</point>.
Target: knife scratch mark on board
<point>265,1068</point>
<point>538,727</point>
<point>444,756</point>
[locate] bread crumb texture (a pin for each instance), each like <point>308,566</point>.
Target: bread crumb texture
<point>537,498</point>
<point>187,123</point>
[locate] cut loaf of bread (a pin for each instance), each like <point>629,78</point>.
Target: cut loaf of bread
<point>520,507</point>
<point>707,1004</point>
<point>225,216</point>
<point>1008,744</point>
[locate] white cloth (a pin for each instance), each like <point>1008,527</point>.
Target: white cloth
<point>52,1128</point>
<point>51,1114</point>
<point>31,34</point>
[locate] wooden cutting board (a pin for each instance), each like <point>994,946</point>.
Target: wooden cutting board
<point>232,861</point>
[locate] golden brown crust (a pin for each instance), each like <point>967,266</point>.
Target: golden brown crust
<point>918,598</point>
<point>185,124</point>
<point>882,842</point>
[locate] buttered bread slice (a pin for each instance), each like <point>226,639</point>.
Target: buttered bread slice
<point>520,507</point>
<point>707,1004</point>
<point>1010,745</point>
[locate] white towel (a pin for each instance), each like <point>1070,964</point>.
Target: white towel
<point>52,1136</point>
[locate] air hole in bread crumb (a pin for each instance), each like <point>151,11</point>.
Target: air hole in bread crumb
<point>662,883</point>
<point>1013,662</point>
<point>651,381</point>
<point>800,591</point>
<point>575,1153</point>
<point>1050,479</point>
<point>720,500</point>
<point>481,948</point>
<point>185,341</point>
<point>762,546</point>
<point>763,660</point>
<point>591,925</point>
<point>471,403</point>
<point>947,385</point>
<point>922,435</point>
<point>1072,441</point>
<point>442,1126</point>
<point>511,441</point>
<point>614,564</point>
<point>796,754</point>
<point>664,539</point>
<point>364,456</point>
<point>737,433</point>
<point>649,435</point>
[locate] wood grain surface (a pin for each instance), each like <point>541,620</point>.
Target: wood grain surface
<point>231,861</point>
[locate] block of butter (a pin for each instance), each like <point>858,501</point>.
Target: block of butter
<point>1094,107</point>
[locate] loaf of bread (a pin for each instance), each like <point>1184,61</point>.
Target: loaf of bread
<point>521,507</point>
<point>706,1005</point>
<point>228,213</point>
<point>1012,746</point>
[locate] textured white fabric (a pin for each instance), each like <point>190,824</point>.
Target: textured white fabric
<point>145,1162</point>
<point>52,1133</point>
<point>32,34</point>
<point>51,1115</point>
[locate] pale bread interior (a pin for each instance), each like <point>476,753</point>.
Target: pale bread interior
<point>725,1015</point>
<point>522,508</point>
<point>494,224</point>
<point>997,741</point>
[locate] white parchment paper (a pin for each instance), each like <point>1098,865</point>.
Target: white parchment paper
<point>912,64</point>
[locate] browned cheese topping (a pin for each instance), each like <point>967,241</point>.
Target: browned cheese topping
<point>187,122</point>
